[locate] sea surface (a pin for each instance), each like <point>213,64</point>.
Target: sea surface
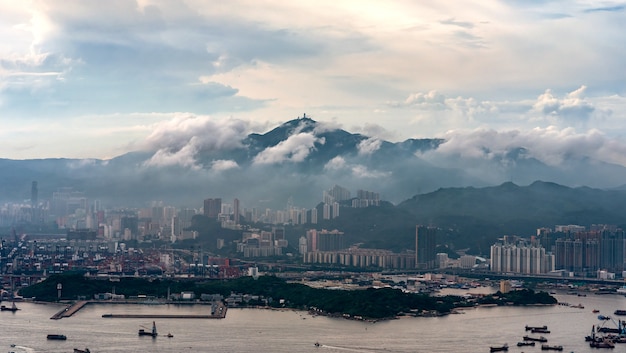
<point>264,330</point>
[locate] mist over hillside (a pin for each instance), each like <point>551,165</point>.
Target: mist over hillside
<point>298,159</point>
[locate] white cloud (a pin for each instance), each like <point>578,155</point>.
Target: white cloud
<point>574,105</point>
<point>221,165</point>
<point>552,146</point>
<point>336,163</point>
<point>294,149</point>
<point>369,146</point>
<point>361,171</point>
<point>178,141</point>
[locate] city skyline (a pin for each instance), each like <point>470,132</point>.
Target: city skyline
<point>173,76</point>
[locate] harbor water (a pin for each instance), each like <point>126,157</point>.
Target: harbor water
<point>261,330</point>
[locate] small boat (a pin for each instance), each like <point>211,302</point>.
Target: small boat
<point>530,328</point>
<point>56,336</point>
<point>579,306</point>
<point>601,344</point>
<point>316,344</point>
<point>620,312</point>
<point>535,339</point>
<point>169,335</point>
<point>540,330</point>
<point>595,311</point>
<point>545,347</point>
<point>153,333</point>
<point>86,350</point>
<point>523,344</point>
<point>9,308</point>
<point>503,348</point>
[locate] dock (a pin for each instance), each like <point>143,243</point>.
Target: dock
<point>159,316</point>
<point>218,312</point>
<point>70,310</point>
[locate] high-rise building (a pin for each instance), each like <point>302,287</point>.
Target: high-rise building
<point>34,194</point>
<point>324,240</point>
<point>212,207</point>
<point>425,247</point>
<point>236,211</point>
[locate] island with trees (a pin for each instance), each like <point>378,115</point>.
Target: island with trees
<point>274,292</point>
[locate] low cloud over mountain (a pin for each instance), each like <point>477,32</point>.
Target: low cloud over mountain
<point>191,158</point>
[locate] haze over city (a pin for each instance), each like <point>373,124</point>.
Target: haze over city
<point>99,79</point>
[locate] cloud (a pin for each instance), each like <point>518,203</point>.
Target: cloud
<point>221,165</point>
<point>178,141</point>
<point>336,163</point>
<point>552,146</point>
<point>361,171</point>
<point>454,22</point>
<point>369,146</point>
<point>573,106</point>
<point>294,149</point>
<point>616,8</point>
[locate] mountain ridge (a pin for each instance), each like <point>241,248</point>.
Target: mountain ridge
<point>297,159</point>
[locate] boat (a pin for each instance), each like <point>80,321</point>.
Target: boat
<point>56,336</point>
<point>545,347</point>
<point>7,308</point>
<point>86,350</point>
<point>595,311</point>
<point>527,343</point>
<point>503,348</point>
<point>540,330</point>
<point>153,333</point>
<point>316,344</point>
<point>530,328</point>
<point>535,339</point>
<point>601,344</point>
<point>620,312</point>
<point>169,335</point>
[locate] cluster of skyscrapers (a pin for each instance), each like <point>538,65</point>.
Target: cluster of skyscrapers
<point>568,248</point>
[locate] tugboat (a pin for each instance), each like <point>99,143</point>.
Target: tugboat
<point>152,333</point>
<point>503,348</point>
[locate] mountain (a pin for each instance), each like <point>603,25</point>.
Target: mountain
<point>475,217</point>
<point>296,160</point>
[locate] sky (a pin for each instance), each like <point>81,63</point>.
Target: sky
<point>97,79</point>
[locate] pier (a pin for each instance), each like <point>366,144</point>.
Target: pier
<point>70,310</point>
<point>218,311</point>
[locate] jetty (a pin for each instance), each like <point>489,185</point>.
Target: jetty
<point>218,311</point>
<point>70,310</point>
